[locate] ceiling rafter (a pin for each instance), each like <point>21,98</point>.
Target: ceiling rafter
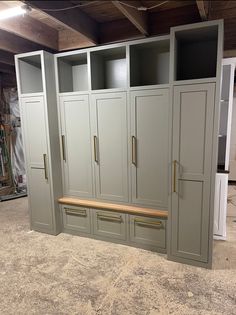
<point>74,19</point>
<point>16,45</point>
<point>137,18</point>
<point>203,8</point>
<point>30,29</point>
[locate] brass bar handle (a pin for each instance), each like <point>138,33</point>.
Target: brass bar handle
<point>63,148</point>
<point>109,217</point>
<point>78,212</point>
<point>95,148</point>
<point>45,166</point>
<point>174,179</point>
<point>134,150</point>
<point>157,224</point>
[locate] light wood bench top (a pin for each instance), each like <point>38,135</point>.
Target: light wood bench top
<point>113,206</point>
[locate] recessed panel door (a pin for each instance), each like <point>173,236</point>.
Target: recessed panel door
<point>193,110</point>
<point>110,145</point>
<point>76,145</point>
<point>149,146</point>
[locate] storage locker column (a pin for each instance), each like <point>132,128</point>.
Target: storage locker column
<point>34,128</point>
<point>193,115</point>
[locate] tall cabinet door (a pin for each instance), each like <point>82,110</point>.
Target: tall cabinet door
<point>35,140</point>
<point>110,145</point>
<point>76,142</point>
<point>149,142</point>
<point>193,115</point>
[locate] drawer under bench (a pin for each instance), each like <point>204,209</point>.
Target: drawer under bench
<point>135,229</point>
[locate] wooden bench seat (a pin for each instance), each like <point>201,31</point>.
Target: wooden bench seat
<point>113,206</point>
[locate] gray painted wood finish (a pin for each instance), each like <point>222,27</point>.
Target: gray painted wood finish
<point>140,231</point>
<point>77,151</point>
<point>34,128</point>
<point>109,224</point>
<point>76,218</point>
<point>30,74</point>
<point>149,126</point>
<point>149,231</point>
<point>110,147</point>
<point>193,110</point>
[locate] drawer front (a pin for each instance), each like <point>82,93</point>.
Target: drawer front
<point>109,224</point>
<point>147,231</point>
<point>76,218</point>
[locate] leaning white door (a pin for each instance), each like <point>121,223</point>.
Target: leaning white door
<point>220,206</point>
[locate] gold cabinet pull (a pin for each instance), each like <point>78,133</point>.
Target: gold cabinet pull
<point>134,150</point>
<point>95,148</point>
<point>174,179</point>
<point>45,166</point>
<point>109,217</point>
<point>157,224</point>
<point>63,147</point>
<point>78,212</point>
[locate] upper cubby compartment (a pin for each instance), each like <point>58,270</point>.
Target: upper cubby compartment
<point>109,68</point>
<point>30,73</point>
<point>73,73</point>
<point>149,63</point>
<point>196,53</point>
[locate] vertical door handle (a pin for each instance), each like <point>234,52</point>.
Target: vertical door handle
<point>63,147</point>
<point>95,148</point>
<point>174,179</point>
<point>45,166</point>
<point>134,150</point>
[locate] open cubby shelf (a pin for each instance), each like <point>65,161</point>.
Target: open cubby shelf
<point>73,73</point>
<point>196,53</point>
<point>30,72</point>
<point>109,68</point>
<point>149,63</point>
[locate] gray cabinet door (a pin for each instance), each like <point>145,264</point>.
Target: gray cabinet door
<point>77,151</point>
<point>35,140</point>
<point>109,224</point>
<point>110,145</point>
<point>193,110</point>
<point>149,142</point>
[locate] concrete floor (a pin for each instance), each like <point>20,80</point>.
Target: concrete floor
<point>43,274</point>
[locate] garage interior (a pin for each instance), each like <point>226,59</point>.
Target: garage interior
<point>110,250</point>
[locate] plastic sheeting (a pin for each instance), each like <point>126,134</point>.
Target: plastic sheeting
<point>17,153</point>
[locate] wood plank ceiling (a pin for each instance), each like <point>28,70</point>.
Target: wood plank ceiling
<point>50,27</point>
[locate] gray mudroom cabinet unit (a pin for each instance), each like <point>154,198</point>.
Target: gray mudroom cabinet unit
<point>138,126</point>
<point>193,111</point>
<point>37,97</point>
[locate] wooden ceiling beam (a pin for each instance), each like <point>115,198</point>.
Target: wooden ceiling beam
<point>203,8</point>
<point>118,30</point>
<point>30,29</point>
<point>73,19</point>
<point>137,18</point>
<point>16,45</point>
<point>72,40</point>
